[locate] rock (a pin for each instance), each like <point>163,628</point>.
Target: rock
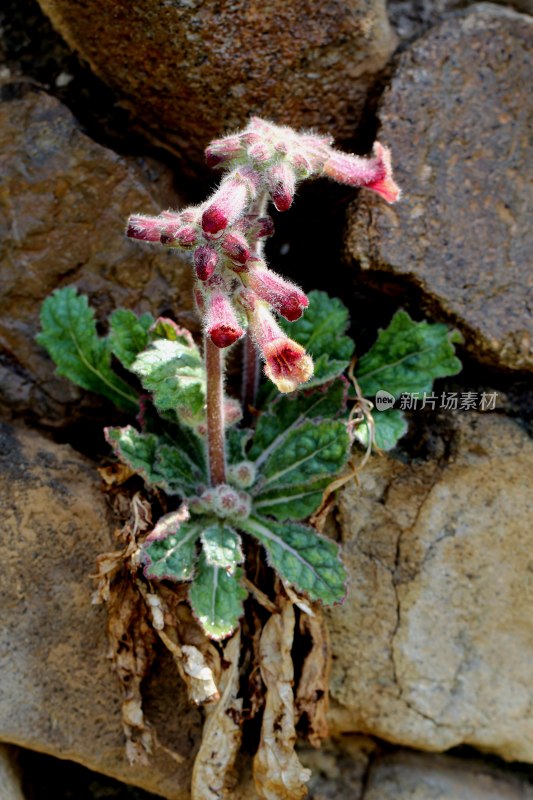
<point>58,694</point>
<point>10,786</point>
<point>193,70</point>
<point>410,776</point>
<point>64,202</point>
<point>434,644</point>
<point>457,117</point>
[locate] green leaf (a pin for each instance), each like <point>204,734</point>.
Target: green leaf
<point>69,335</point>
<point>321,330</point>
<point>389,427</point>
<point>222,547</point>
<point>294,501</point>
<point>216,598</point>
<point>289,411</point>
<point>137,450</point>
<point>174,372</point>
<point>407,356</point>
<point>128,334</point>
<point>236,442</point>
<point>302,557</point>
<point>178,472</point>
<point>170,551</point>
<point>313,450</point>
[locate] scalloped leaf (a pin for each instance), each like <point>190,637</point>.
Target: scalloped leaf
<point>179,472</point>
<point>390,425</point>
<point>289,411</point>
<point>293,501</point>
<point>173,371</point>
<point>137,450</point>
<point>302,557</point>
<point>216,598</point>
<point>169,553</point>
<point>311,451</point>
<point>69,335</point>
<point>128,334</point>
<point>222,547</point>
<point>407,357</point>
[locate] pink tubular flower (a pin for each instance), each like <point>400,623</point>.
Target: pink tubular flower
<point>370,173</point>
<point>147,229</point>
<point>222,325</point>
<point>235,247</point>
<point>230,200</point>
<point>222,151</point>
<point>287,364</point>
<point>286,298</point>
<point>281,182</point>
<point>205,261</point>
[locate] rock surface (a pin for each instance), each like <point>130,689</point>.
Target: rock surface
<point>192,70</point>
<point>64,201</point>
<point>409,776</point>
<point>457,117</point>
<point>10,785</point>
<point>434,645</point>
<point>58,694</point>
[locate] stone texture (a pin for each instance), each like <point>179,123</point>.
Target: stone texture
<point>409,776</point>
<point>458,117</point>
<point>434,645</point>
<point>58,694</point>
<point>193,69</point>
<point>64,201</point>
<point>10,785</point>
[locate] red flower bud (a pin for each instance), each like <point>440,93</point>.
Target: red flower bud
<point>205,261</point>
<point>235,246</point>
<point>229,201</point>
<point>370,173</point>
<point>221,151</point>
<point>281,184</point>
<point>221,321</point>
<point>147,229</point>
<point>286,298</point>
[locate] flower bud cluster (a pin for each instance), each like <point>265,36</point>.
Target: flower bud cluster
<point>235,288</point>
<point>224,501</point>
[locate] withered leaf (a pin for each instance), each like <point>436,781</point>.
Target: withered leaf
<point>278,773</point>
<point>213,776</point>
<point>312,694</point>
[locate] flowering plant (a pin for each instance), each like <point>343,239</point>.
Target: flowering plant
<point>224,492</point>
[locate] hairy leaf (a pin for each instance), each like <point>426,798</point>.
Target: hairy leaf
<point>310,451</point>
<point>236,442</point>
<point>295,501</point>
<point>69,335</point>
<point>289,411</point>
<point>390,425</point>
<point>177,470</point>
<point>174,373</point>
<point>169,553</point>
<point>137,450</point>
<point>128,334</point>
<point>216,599</point>
<point>222,547</point>
<point>302,557</point>
<point>407,357</point>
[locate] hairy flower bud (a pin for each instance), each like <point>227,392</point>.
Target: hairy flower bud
<point>229,201</point>
<point>281,182</point>
<point>205,261</point>
<point>242,474</point>
<point>235,247</point>
<point>370,173</point>
<point>287,364</point>
<point>286,298</point>
<point>222,151</point>
<point>147,229</point>
<point>222,325</point>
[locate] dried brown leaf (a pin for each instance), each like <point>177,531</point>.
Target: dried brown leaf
<point>213,776</point>
<point>312,694</point>
<point>115,474</point>
<point>278,773</point>
<point>131,642</point>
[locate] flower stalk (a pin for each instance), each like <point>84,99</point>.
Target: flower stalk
<point>216,442</point>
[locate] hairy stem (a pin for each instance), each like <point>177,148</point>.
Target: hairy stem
<point>216,444</point>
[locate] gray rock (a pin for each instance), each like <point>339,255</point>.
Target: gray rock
<point>58,694</point>
<point>458,117</point>
<point>10,784</point>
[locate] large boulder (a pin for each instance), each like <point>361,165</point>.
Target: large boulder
<point>64,202</point>
<point>58,694</point>
<point>457,116</point>
<point>193,70</point>
<point>434,645</point>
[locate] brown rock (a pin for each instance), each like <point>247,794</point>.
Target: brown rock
<point>458,119</point>
<point>410,776</point>
<point>64,201</point>
<point>194,70</point>
<point>58,694</point>
<point>434,645</point>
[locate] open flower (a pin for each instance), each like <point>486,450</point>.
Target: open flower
<point>371,173</point>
